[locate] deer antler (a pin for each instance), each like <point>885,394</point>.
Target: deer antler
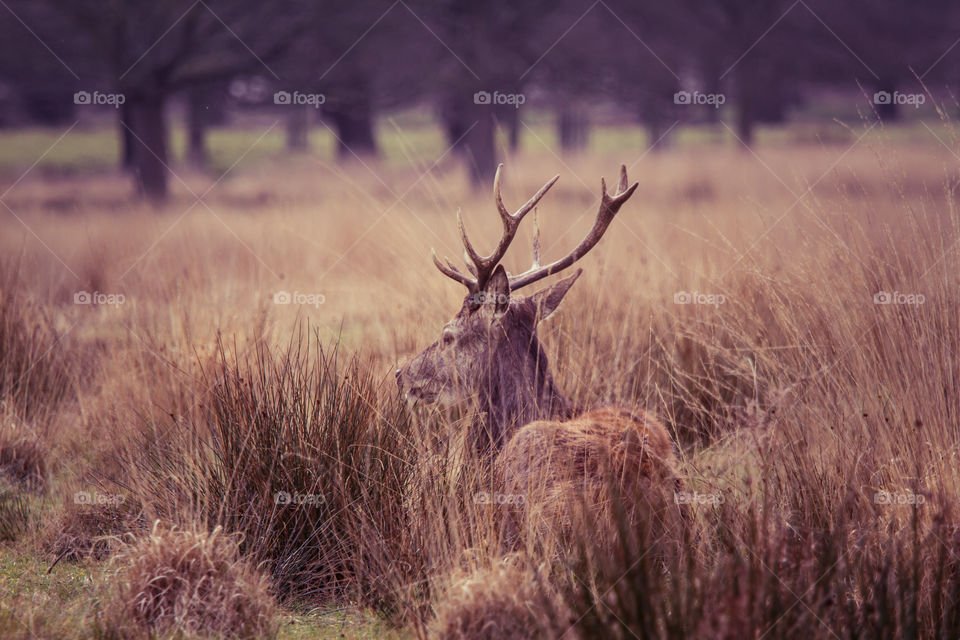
<point>483,267</point>
<point>609,206</point>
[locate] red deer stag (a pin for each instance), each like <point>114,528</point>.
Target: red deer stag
<point>489,354</point>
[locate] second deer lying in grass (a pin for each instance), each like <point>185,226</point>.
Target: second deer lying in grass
<point>489,355</point>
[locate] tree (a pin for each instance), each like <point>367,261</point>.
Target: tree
<point>621,52</point>
<point>887,45</point>
<point>759,46</point>
<point>576,72</point>
<point>150,50</point>
<point>39,81</point>
<point>362,56</point>
<point>484,57</point>
<point>205,103</point>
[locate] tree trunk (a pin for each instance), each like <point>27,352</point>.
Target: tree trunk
<point>887,109</point>
<point>657,133</point>
<point>471,133</point>
<point>298,129</point>
<point>150,147</point>
<point>714,86</point>
<point>771,102</point>
<point>454,125</point>
<point>197,128</point>
<point>657,110</point>
<point>480,150</point>
<point>745,100</point>
<point>513,129</point>
<point>128,144</point>
<point>354,125</point>
<point>572,129</point>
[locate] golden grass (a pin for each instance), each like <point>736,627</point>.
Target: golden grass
<point>501,601</point>
<point>796,402</point>
<point>193,582</point>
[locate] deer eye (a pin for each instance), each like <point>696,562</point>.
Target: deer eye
<point>448,338</point>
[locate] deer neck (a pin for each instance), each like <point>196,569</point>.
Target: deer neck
<point>520,390</point>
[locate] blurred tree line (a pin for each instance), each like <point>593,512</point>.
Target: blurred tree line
<point>476,65</point>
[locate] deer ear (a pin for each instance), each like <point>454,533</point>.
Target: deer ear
<point>546,301</point>
<point>496,293</point>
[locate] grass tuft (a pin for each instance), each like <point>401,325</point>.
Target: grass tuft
<point>188,581</point>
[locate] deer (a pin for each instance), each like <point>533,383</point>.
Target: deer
<point>489,355</point>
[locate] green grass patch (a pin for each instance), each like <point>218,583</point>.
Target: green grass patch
<point>409,141</point>
<point>336,624</point>
<point>62,604</point>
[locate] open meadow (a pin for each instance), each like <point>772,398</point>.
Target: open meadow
<point>208,384</point>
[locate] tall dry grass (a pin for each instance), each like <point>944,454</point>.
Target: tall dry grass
<point>802,409</point>
<point>299,449</point>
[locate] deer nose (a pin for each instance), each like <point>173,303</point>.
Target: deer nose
<point>397,374</point>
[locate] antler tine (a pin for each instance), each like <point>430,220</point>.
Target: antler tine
<point>528,205</point>
<point>609,206</point>
<point>486,265</point>
<point>467,247</point>
<point>466,261</point>
<point>504,214</point>
<point>536,240</point>
<point>469,255</point>
<point>452,272</point>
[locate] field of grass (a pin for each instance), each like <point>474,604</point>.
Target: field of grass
<point>819,419</point>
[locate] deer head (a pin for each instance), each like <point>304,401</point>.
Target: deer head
<point>489,354</point>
